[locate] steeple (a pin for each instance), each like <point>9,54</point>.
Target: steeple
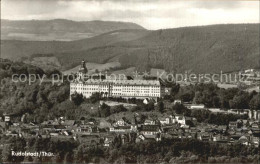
<point>83,68</point>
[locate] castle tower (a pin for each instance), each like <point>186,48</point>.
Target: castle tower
<point>82,70</point>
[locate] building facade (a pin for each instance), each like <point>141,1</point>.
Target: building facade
<point>140,89</point>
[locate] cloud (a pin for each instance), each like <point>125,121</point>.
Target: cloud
<point>218,4</point>
<point>152,14</point>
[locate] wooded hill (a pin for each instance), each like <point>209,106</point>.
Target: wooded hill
<point>204,49</point>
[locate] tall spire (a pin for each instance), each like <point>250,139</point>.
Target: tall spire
<point>83,68</point>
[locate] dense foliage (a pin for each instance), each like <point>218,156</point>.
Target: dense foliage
<point>214,97</point>
<point>168,150</point>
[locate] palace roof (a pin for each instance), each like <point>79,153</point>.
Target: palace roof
<point>119,82</point>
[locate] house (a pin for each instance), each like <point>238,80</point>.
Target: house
<point>177,102</point>
<point>165,120</point>
<point>183,120</point>
<point>204,136</point>
<point>232,124</point>
<point>167,90</point>
<point>123,126</point>
<point>121,129</point>
<point>29,130</point>
<point>124,138</point>
<point>148,100</point>
<point>150,129</point>
<point>234,137</point>
<point>244,140</point>
<point>86,129</point>
<point>220,138</point>
<point>155,137</point>
<point>255,139</point>
<point>12,133</point>
<point>8,117</point>
<point>185,135</point>
<point>67,133</point>
<point>254,114</point>
<point>150,122</point>
<point>49,122</point>
<point>108,141</point>
<point>195,106</point>
<point>54,134</point>
<point>139,138</point>
<point>68,123</point>
<point>120,122</point>
<point>59,128</point>
<point>178,118</point>
<point>221,128</point>
<point>245,123</point>
<point>255,125</point>
<point>170,128</point>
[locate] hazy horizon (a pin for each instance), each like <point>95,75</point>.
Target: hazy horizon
<point>125,22</point>
<point>151,15</point>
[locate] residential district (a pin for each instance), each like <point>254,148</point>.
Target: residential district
<point>104,132</point>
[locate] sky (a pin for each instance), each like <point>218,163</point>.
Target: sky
<point>151,14</point>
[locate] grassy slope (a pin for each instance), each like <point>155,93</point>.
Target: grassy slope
<point>16,49</point>
<point>92,67</point>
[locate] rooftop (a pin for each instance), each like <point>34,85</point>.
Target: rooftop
<point>121,82</point>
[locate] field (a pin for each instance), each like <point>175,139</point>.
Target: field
<point>92,67</point>
<point>45,62</point>
<point>114,103</point>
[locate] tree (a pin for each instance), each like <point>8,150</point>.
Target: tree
<point>95,97</point>
<point>255,102</point>
<point>53,73</point>
<point>175,89</point>
<point>198,98</point>
<point>77,98</point>
<point>160,106</point>
<point>68,157</point>
<point>186,97</point>
<point>149,106</point>
<point>104,110</point>
<point>240,101</point>
<point>180,109</point>
<point>118,109</point>
<point>6,154</point>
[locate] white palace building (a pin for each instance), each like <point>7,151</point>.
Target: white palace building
<point>139,89</point>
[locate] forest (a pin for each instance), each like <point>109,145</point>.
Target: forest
<point>167,151</point>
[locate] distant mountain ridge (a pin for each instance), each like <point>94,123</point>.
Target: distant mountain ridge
<point>59,29</point>
<point>204,49</point>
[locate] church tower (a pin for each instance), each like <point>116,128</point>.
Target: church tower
<point>82,70</point>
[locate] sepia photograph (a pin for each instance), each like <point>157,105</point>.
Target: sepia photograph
<point>130,81</point>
